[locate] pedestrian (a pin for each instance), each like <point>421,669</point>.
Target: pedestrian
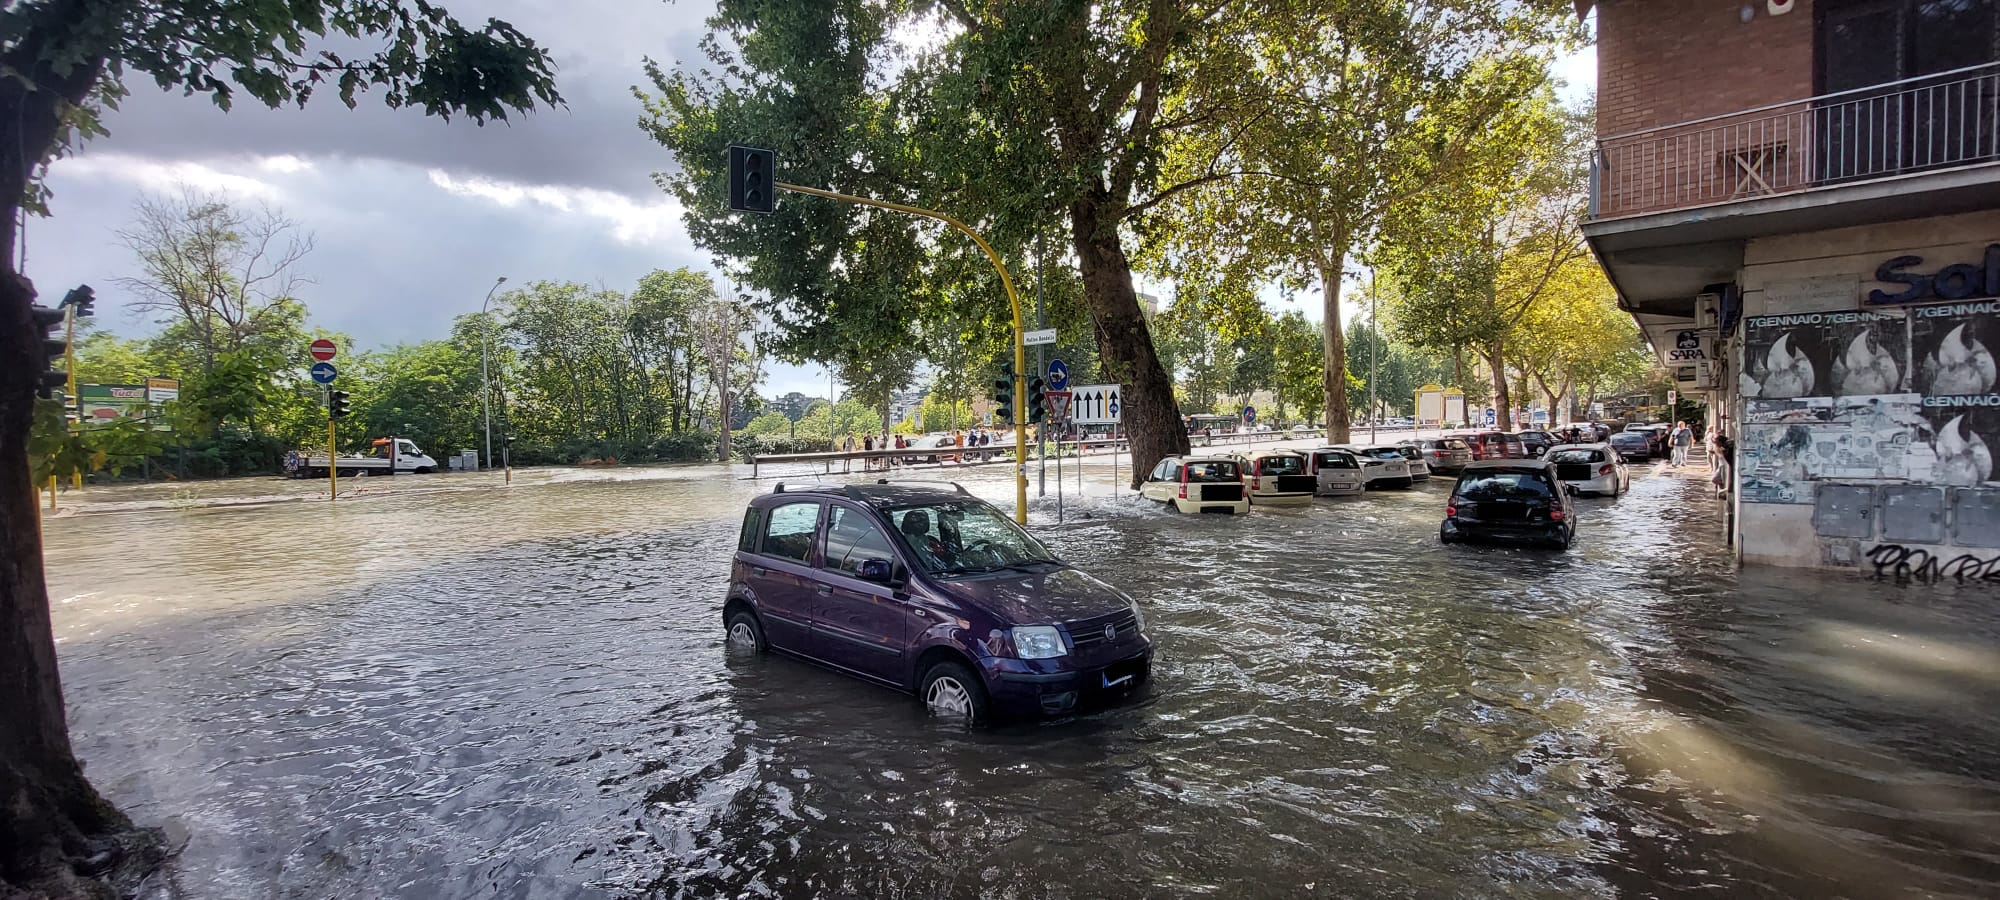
<point>1724,451</point>
<point>1681,439</point>
<point>868,445</point>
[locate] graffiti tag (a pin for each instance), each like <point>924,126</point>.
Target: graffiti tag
<point>1923,565</point>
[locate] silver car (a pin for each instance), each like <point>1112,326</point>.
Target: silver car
<point>1336,472</point>
<point>1383,467</point>
<point>1590,468</point>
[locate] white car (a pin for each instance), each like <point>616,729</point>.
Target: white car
<point>1278,478</point>
<point>1210,484</point>
<point>1383,467</point>
<point>1590,468</point>
<point>1419,470</point>
<point>1336,472</point>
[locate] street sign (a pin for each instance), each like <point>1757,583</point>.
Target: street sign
<point>1673,397</point>
<point>1249,414</point>
<point>1491,416</point>
<point>1036,338</point>
<point>1095,404</point>
<point>1058,405</point>
<point>323,349</point>
<point>1058,375</point>
<point>324,372</point>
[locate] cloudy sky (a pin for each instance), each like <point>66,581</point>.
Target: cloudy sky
<point>413,217</point>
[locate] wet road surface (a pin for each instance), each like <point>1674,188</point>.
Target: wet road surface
<point>525,693</point>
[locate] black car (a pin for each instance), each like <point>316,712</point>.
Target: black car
<point>1633,445</point>
<point>1537,442</point>
<point>1509,499</point>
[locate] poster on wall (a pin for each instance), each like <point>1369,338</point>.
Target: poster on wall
<point>1954,346</point>
<point>1838,353</point>
<point>1788,445</point>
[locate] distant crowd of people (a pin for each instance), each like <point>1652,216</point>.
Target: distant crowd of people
<point>976,439</point>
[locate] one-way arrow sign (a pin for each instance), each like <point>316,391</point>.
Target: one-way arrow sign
<point>1095,404</point>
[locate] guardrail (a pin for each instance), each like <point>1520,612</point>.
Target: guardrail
<point>1932,122</point>
<point>997,453</point>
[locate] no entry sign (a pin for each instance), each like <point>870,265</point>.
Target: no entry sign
<point>323,350</point>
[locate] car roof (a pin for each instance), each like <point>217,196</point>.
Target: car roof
<point>882,492</point>
<point>1209,457</point>
<point>1589,445</point>
<point>1260,454</point>
<point>1538,465</point>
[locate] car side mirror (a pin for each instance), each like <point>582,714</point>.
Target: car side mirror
<point>880,570</point>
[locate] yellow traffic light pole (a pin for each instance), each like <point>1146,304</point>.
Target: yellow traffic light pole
<point>1020,340</point>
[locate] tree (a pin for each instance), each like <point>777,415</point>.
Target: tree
<point>63,60</point>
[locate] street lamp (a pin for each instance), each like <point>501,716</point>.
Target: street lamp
<point>485,378</point>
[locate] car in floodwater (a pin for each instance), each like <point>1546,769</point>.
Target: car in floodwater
<point>934,592</point>
<point>1278,478</point>
<point>1208,484</point>
<point>1382,466</point>
<point>1336,472</point>
<point>1445,456</point>
<point>1633,446</point>
<point>1590,468</point>
<point>1510,499</point>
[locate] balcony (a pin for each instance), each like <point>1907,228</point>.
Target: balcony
<point>1921,124</point>
<point>1671,206</point>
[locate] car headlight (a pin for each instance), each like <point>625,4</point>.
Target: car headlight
<point>1138,617</point>
<point>1038,642</point>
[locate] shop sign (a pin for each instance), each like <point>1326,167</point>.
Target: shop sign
<point>1962,281</point>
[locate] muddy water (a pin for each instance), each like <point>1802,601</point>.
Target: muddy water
<point>524,693</point>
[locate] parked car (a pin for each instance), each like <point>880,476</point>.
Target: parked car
<point>1656,435</point>
<point>1336,472</point>
<point>1303,429</point>
<point>1591,468</point>
<point>934,592</point>
<point>1633,445</point>
<point>1495,445</point>
<point>1210,484</point>
<point>1381,466</point>
<point>1536,443</point>
<point>1444,455</point>
<point>1509,499</point>
<point>1586,433</point>
<point>1419,469</point>
<point>1278,478</point>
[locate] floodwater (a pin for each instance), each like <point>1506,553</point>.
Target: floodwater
<point>524,693</point>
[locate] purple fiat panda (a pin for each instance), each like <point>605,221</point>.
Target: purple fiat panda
<point>929,590</point>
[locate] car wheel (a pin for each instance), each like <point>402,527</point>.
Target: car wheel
<point>1446,537</point>
<point>950,691</point>
<point>745,632</point>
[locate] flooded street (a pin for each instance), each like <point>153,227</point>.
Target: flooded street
<point>523,692</point>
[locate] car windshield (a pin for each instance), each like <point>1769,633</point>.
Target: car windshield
<point>963,537</point>
<point>1212,471</point>
<point>1628,437</point>
<point>1334,459</point>
<point>1282,465</point>
<point>1503,485</point>
<point>1453,444</point>
<point>1576,456</point>
<point>1410,452</point>
<point>1382,453</point>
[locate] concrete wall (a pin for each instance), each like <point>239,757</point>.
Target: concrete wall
<point>1666,61</point>
<point>1847,520</point>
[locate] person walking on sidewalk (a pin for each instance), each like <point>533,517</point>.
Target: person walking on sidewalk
<point>1682,439</point>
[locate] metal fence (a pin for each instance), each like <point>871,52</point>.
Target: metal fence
<point>1933,122</point>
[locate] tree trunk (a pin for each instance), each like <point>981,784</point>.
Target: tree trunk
<point>1503,398</point>
<point>1147,409</point>
<point>50,815</point>
<point>1335,342</point>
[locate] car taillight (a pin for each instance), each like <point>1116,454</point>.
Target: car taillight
<point>1256,482</point>
<point>1556,515</point>
<point>1607,469</point>
<point>1183,491</point>
<point>1451,512</point>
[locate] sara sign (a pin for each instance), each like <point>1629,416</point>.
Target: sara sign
<point>1684,348</point>
<point>1962,281</point>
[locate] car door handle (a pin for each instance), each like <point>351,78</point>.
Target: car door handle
<point>759,570</point>
<point>823,590</point>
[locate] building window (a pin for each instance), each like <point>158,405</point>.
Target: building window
<point>1911,122</point>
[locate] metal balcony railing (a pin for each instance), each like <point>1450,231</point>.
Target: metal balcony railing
<point>1933,122</point>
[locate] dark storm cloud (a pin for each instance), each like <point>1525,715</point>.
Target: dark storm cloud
<point>595,141</point>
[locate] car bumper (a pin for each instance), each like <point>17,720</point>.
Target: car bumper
<point>1238,507</point>
<point>1281,499</point>
<point>1340,488</point>
<point>1504,531</point>
<point>1018,694</point>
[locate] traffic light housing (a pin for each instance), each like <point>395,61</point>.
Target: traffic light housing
<point>753,179</point>
<point>82,298</point>
<point>337,405</point>
<point>1003,394</point>
<point>53,376</point>
<point>1038,401</point>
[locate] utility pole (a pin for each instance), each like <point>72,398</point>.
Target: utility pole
<point>1041,433</point>
<point>1374,362</point>
<point>485,378</point>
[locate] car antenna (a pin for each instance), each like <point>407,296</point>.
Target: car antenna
<point>779,489</point>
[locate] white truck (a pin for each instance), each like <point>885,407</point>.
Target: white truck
<point>390,456</point>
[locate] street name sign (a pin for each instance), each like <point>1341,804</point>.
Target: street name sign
<point>1039,337</point>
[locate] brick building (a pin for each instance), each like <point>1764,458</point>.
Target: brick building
<point>1799,201</point>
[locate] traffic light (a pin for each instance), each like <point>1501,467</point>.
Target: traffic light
<point>82,297</point>
<point>753,174</point>
<point>336,405</point>
<point>1003,394</point>
<point>53,376</point>
<point>1038,402</point>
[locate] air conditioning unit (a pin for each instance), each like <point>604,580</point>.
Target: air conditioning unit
<point>1707,310</point>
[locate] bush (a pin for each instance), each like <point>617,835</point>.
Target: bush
<point>747,445</point>
<point>688,446</point>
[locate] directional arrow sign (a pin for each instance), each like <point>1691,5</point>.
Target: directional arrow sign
<point>1094,404</point>
<point>324,372</point>
<point>1058,375</point>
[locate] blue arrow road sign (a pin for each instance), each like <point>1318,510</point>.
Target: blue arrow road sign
<point>1249,414</point>
<point>1058,375</point>
<point>324,372</point>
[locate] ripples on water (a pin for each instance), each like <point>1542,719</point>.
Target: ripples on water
<point>524,694</point>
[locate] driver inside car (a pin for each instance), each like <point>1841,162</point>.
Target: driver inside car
<point>916,529</point>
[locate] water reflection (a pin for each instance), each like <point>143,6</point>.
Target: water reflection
<point>525,694</point>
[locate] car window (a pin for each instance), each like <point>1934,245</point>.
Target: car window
<point>1335,460</point>
<point>1213,471</point>
<point>852,537</point>
<point>1576,456</point>
<point>1282,465</point>
<point>1454,444</point>
<point>1159,472</point>
<point>788,530</point>
<point>1382,453</point>
<point>1173,472</point>
<point>960,537</point>
<point>746,539</point>
<point>1503,485</point>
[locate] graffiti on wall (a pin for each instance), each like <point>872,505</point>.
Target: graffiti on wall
<point>1917,563</point>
